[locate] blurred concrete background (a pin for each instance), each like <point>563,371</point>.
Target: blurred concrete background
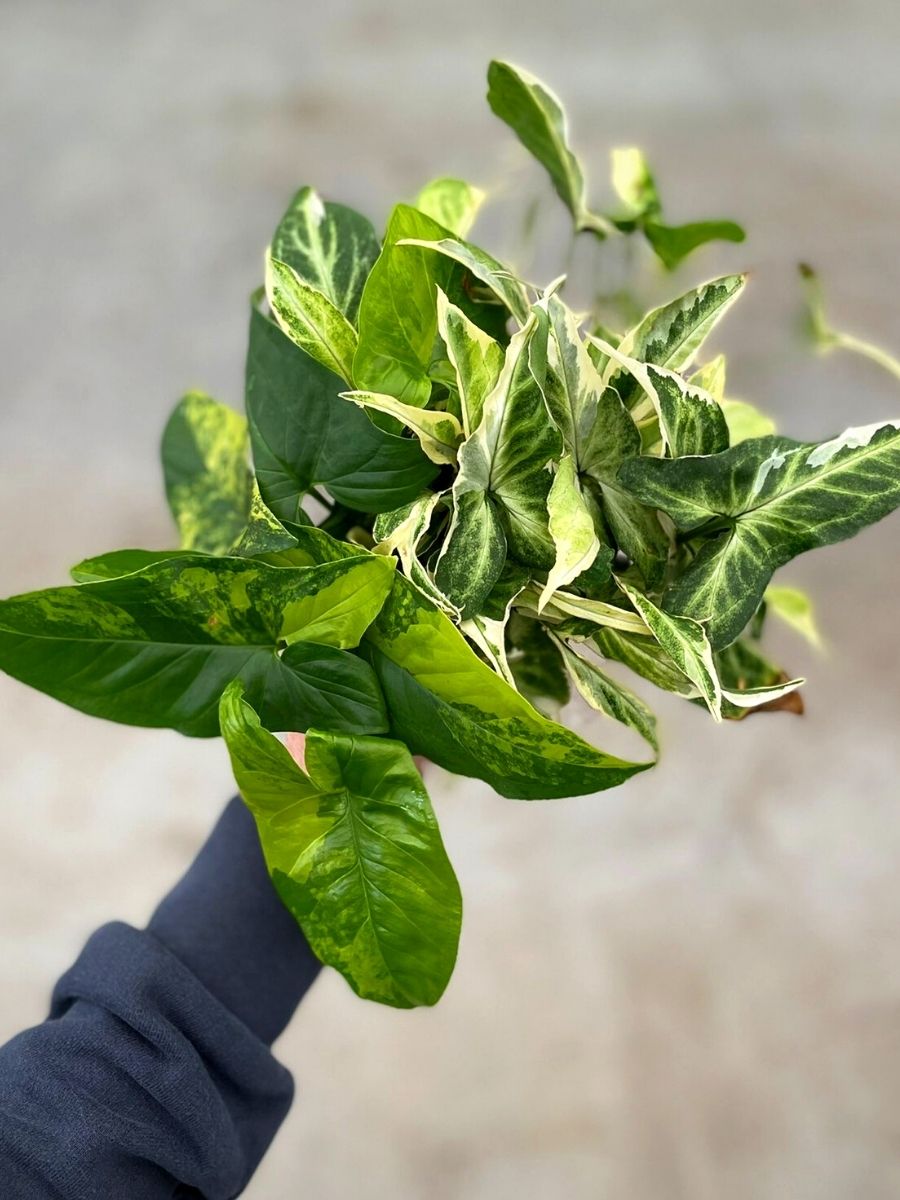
<point>683,990</point>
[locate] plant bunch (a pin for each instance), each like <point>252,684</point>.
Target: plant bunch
<point>467,499</point>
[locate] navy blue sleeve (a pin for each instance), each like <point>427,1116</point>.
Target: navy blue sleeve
<point>152,1077</point>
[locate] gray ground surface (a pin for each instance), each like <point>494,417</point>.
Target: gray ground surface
<point>686,989</point>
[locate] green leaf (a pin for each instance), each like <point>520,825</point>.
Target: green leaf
<point>825,337</point>
<point>507,454</point>
<point>453,203</point>
<point>536,116</point>
<point>332,248</point>
<point>608,696</point>
<point>354,850</point>
<point>204,455</point>
<point>764,502</point>
<point>634,185</point>
<point>448,705</point>
<point>536,667</point>
<point>673,243</point>
<point>795,608</point>
<point>310,319</point>
<point>571,527</point>
<point>671,336</point>
<point>438,432</point>
<point>473,553</point>
<point>476,358</point>
<point>612,440</point>
<point>304,436</point>
<point>120,562</point>
<point>744,420</point>
<point>397,315</point>
<point>158,646</point>
<point>686,644</point>
<point>499,279</point>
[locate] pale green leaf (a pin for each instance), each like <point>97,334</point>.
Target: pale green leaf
<point>571,527</point>
<point>793,606</point>
<point>633,183</point>
<point>499,279</point>
<point>402,532</point>
<point>208,481</point>
<point>452,202</point>
<point>447,704</point>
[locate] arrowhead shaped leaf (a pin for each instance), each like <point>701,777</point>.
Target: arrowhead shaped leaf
<point>767,500</point>
<point>157,647</point>
<point>445,703</point>
<point>402,532</point>
<point>310,319</point>
<point>673,243</point>
<point>304,436</point>
<point>453,203</point>
<point>354,850</point>
<point>208,481</point>
<point>332,248</point>
<point>795,608</point>
<point>536,116</point>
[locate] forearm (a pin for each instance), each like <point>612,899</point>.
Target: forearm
<point>153,1070</point>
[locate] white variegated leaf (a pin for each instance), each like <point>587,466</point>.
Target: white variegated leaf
<point>572,528</point>
<point>607,695</point>
<point>439,432</point>
<point>310,319</point>
<point>499,279</point>
<point>475,357</point>
<point>760,504</point>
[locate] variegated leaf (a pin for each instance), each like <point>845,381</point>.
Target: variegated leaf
<point>572,528</point>
<point>355,854</point>
<point>646,657</point>
<point>208,482</point>
<point>497,278</point>
<point>686,643</point>
<point>598,612</point>
<point>401,533</point>
<point>573,386</point>
<point>452,202</point>
<point>476,358</point>
<point>310,319</point>
<point>670,336</point>
<point>535,114</point>
<point>508,453</point>
<point>439,432</point>
<point>690,420</point>
<point>473,553</point>
<point>759,505</point>
<point>332,248</point>
<point>608,696</point>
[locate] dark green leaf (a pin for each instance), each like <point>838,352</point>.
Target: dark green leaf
<point>304,435</point>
